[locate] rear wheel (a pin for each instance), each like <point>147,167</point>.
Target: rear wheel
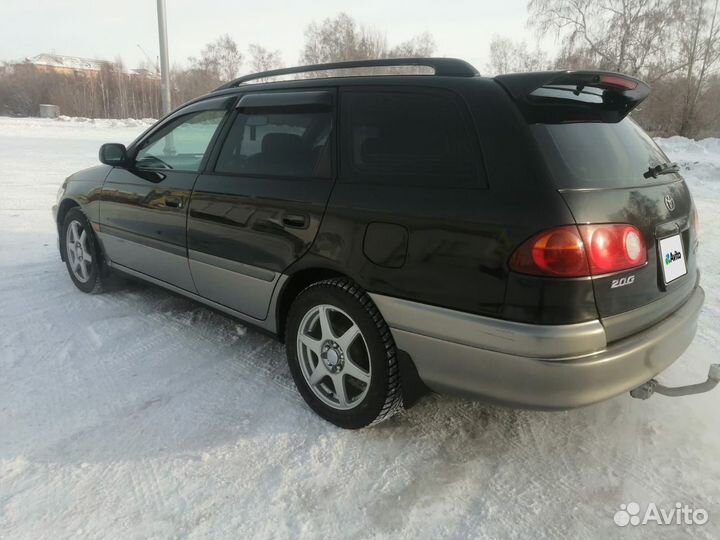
<point>342,355</point>
<point>82,253</point>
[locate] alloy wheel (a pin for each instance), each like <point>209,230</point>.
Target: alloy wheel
<point>334,357</point>
<point>76,249</point>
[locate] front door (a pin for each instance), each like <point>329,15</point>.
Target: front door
<point>143,208</point>
<point>259,206</point>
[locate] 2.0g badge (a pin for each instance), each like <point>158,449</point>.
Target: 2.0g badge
<point>627,280</point>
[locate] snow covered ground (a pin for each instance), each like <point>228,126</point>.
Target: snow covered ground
<point>140,414</point>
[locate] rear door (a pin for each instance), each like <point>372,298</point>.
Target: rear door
<point>609,171</point>
<point>601,170</point>
<point>258,207</point>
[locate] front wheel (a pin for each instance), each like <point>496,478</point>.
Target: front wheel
<point>342,355</point>
<point>82,253</point>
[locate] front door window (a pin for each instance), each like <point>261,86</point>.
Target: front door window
<point>181,145</point>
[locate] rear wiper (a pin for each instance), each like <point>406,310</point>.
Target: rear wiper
<point>656,171</point>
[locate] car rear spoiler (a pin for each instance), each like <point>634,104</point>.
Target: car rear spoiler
<point>574,96</point>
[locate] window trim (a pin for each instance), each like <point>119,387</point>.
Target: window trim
<point>348,173</point>
<point>213,157</point>
<point>266,100</point>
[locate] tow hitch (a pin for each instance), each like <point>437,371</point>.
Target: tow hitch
<point>652,386</point>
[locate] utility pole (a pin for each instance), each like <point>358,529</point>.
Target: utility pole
<point>164,63</point>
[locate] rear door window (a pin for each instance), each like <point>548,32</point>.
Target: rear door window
<point>275,141</point>
<point>408,137</point>
<point>599,155</point>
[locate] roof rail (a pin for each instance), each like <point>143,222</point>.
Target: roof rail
<point>444,67</point>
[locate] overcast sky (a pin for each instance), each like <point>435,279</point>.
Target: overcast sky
<point>107,30</point>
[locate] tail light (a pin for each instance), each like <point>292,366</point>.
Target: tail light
<point>613,247</point>
<point>558,252</point>
<point>582,250</point>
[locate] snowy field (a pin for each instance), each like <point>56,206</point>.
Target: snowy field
<point>140,414</point>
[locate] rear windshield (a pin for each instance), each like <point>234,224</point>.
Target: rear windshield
<point>599,155</point>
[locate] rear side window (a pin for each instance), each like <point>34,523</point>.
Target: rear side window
<point>599,155</point>
<point>293,141</point>
<point>411,138</point>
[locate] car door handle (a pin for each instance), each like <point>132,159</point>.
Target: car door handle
<point>294,220</point>
<point>173,202</point>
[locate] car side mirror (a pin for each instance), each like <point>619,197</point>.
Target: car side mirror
<point>113,154</point>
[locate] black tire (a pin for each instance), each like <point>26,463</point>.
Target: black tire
<point>383,397</point>
<point>97,273</point>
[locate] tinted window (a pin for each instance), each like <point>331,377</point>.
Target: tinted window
<point>588,155</point>
<point>275,142</point>
<point>409,138</point>
<point>182,144</point>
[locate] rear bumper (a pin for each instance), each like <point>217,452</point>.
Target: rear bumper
<point>533,366</point>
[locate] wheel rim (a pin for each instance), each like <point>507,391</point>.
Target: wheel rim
<point>334,357</point>
<point>77,252</point>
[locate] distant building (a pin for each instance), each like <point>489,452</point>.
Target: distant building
<point>75,65</point>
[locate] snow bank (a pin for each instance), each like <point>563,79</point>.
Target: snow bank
<point>699,162</point>
<point>108,122</point>
<point>689,150</point>
<point>95,129</point>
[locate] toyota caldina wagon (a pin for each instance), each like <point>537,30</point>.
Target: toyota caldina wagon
<point>516,239</point>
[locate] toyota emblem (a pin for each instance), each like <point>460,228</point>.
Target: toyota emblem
<point>669,202</point>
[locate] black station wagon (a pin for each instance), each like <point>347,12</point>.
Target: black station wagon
<point>516,239</point>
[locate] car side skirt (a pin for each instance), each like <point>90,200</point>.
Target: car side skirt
<point>269,324</point>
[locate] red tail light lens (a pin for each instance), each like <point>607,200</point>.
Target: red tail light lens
<point>558,252</point>
<point>613,247</point>
<point>583,250</point>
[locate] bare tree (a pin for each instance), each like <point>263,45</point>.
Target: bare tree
<point>708,102</point>
<point>508,56</point>
<point>192,82</point>
<point>619,35</point>
<point>422,45</point>
<point>699,37</point>
<point>111,92</point>
<point>341,38</point>
<point>262,59</point>
<point>221,58</point>
<point>673,44</point>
